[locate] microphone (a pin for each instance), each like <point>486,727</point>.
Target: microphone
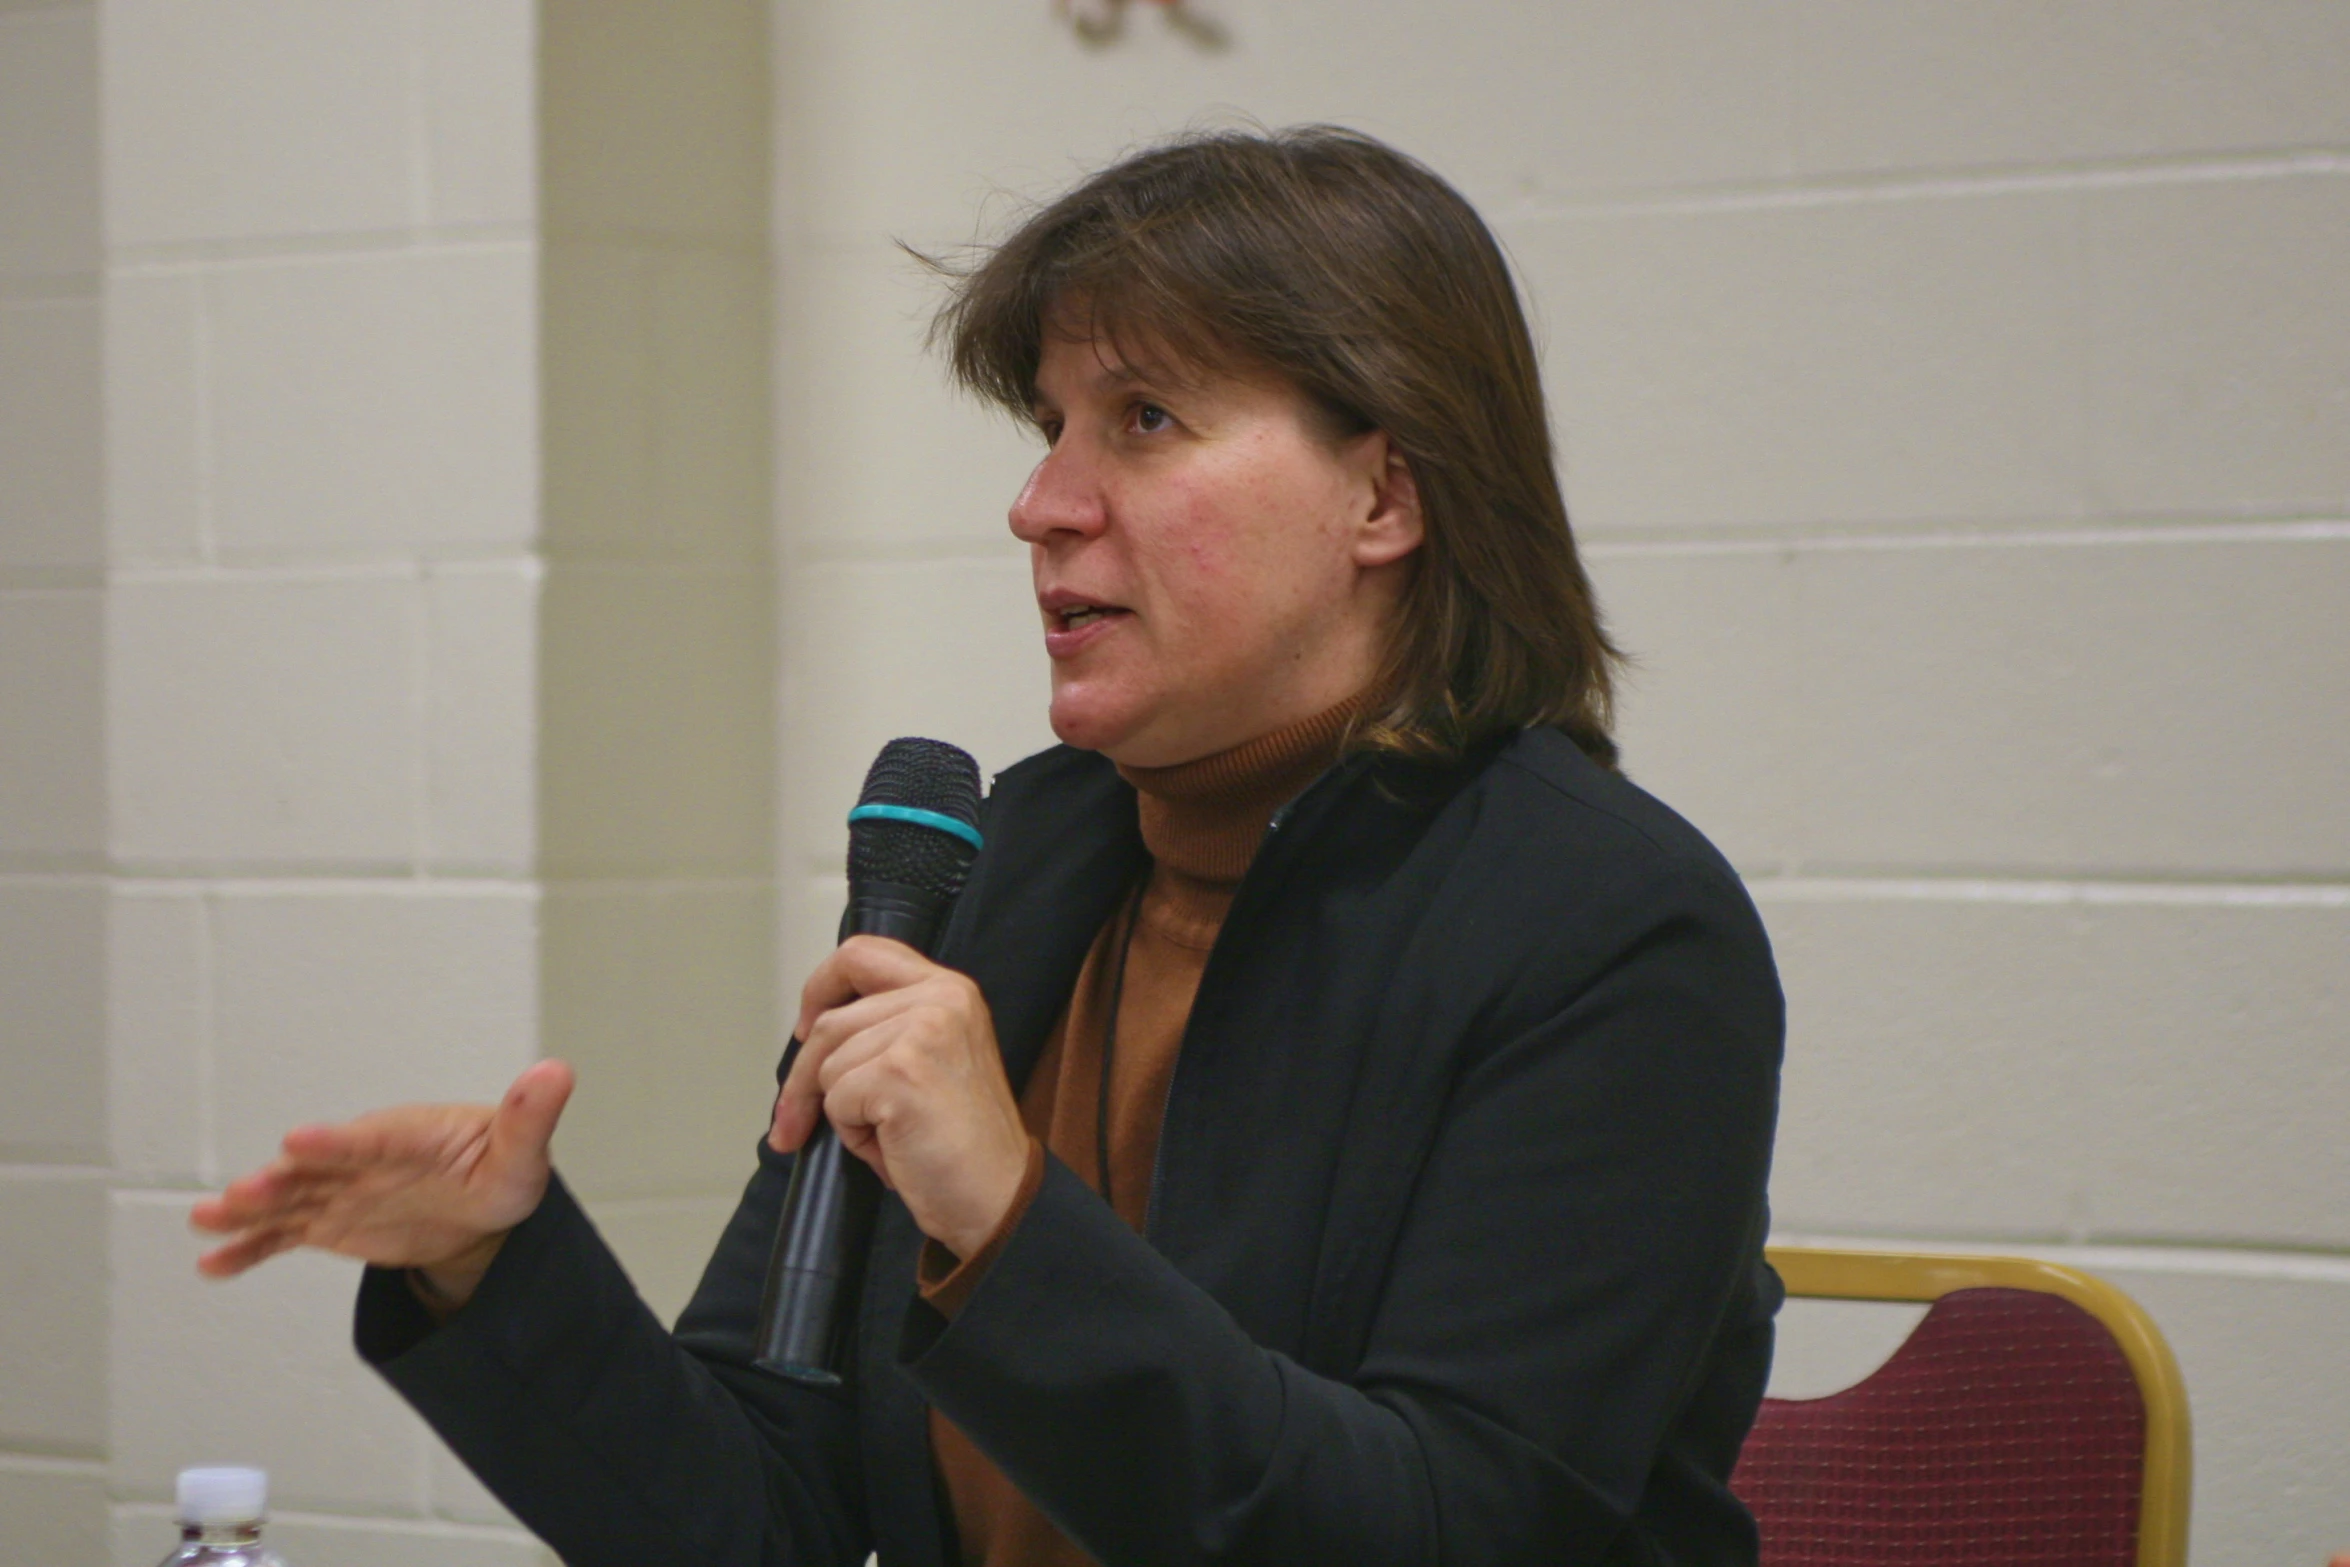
<point>912,838</point>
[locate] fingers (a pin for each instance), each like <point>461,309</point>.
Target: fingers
<point>908,1059</point>
<point>834,1028</point>
<point>795,1117</point>
<point>863,1095</point>
<point>865,1143</point>
<point>263,1196</point>
<point>379,1137</point>
<point>799,1103</point>
<point>873,998</point>
<point>852,1102</point>
<point>859,966</point>
<point>258,1233</point>
<point>845,1037</point>
<point>916,1040</point>
<point>349,1145</point>
<point>405,1134</point>
<point>288,1203</point>
<point>247,1251</point>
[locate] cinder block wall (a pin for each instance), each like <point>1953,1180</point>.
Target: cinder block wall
<point>1955,404</point>
<point>53,1157</point>
<point>656,633</point>
<point>322,427</point>
<point>1953,400</point>
<point>387,688</point>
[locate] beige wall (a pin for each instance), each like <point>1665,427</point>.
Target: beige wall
<point>387,686</point>
<point>1955,401</point>
<point>53,1123</point>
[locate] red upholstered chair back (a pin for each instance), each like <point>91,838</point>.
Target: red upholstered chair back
<point>2010,1430</point>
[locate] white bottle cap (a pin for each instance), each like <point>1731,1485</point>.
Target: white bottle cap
<point>218,1496</point>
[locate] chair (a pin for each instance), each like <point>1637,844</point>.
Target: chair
<point>2033,1417</point>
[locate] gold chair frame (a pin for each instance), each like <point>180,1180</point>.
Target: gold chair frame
<point>1827,1273</point>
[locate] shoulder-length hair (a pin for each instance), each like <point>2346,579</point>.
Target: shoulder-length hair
<point>1370,284</point>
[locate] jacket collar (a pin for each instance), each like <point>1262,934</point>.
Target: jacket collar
<point>1064,845</point>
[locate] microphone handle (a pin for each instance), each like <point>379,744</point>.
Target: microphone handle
<point>816,1273</point>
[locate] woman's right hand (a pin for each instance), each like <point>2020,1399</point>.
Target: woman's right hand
<point>429,1187</point>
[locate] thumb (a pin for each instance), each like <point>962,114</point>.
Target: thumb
<point>525,1120</point>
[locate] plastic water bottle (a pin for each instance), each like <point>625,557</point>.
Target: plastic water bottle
<point>220,1519</point>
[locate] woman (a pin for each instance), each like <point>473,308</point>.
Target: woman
<point>1336,1126</point>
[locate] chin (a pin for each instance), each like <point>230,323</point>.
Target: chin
<point>1085,720</point>
<point>1074,725</point>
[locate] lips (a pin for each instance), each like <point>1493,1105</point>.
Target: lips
<point>1073,622</point>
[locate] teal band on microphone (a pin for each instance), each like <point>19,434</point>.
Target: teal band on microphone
<point>920,818</point>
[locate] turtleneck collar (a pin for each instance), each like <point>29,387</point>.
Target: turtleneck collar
<point>1204,819</point>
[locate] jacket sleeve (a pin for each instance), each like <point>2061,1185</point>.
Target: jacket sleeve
<point>615,1442</point>
<point>1583,1232</point>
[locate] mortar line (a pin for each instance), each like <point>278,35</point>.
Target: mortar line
<point>429,239</point>
<point>207,1044</point>
<point>214,571</point>
<point>49,1464</point>
<point>1942,537</point>
<point>20,582</point>
<point>422,760</point>
<point>165,1191</point>
<point>212,881</point>
<point>2185,1258</point>
<point>329,568</point>
<point>2018,890</point>
<point>1854,189</point>
<point>203,257</point>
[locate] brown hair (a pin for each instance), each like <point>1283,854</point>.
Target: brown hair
<point>1370,284</point>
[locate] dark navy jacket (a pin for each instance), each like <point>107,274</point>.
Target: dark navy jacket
<point>1454,1244</point>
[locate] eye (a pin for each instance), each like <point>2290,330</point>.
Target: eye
<point>1150,418</point>
<point>1049,428</point>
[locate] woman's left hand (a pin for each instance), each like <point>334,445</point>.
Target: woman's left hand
<point>900,1055</point>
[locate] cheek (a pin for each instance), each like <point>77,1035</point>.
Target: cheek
<point>1207,562</point>
<point>1201,553</point>
<point>1238,553</point>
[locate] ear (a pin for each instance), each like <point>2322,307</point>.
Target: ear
<point>1393,527</point>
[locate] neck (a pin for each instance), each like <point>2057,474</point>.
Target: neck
<point>1204,818</point>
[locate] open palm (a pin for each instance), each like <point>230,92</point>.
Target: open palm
<point>413,1187</point>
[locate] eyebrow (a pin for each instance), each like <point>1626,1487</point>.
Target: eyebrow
<point>1117,375</point>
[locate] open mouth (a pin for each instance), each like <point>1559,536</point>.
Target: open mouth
<point>1071,623</point>
<point>1068,612</point>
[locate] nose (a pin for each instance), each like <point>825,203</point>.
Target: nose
<point>1062,498</point>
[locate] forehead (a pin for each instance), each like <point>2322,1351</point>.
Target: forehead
<point>1088,352</point>
<point>1083,348</point>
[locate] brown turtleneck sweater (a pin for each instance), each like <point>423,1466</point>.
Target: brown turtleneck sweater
<point>1202,822</point>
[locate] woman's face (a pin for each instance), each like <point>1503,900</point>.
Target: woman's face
<point>1210,565</point>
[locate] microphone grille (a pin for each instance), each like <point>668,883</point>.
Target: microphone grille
<point>922,775</point>
<point>928,775</point>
